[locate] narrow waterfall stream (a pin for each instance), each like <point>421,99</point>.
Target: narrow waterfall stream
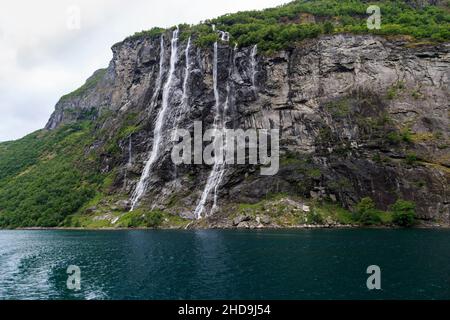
<point>130,155</point>
<point>162,62</point>
<point>129,163</point>
<point>185,98</point>
<point>254,64</point>
<point>216,176</point>
<point>159,125</point>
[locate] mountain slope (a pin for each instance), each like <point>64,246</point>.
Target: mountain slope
<point>46,176</point>
<point>360,116</point>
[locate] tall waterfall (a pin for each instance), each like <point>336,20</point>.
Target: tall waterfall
<point>162,62</point>
<point>185,98</point>
<point>254,64</point>
<point>216,176</point>
<point>158,131</point>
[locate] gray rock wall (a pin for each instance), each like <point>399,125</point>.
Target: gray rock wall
<point>359,116</point>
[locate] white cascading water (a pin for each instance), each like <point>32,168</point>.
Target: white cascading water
<point>254,64</point>
<point>130,159</point>
<point>218,170</point>
<point>185,98</point>
<point>129,164</point>
<point>221,167</point>
<point>226,109</point>
<point>158,131</point>
<point>212,176</point>
<point>160,75</point>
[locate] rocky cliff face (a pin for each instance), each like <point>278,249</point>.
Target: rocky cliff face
<point>358,116</point>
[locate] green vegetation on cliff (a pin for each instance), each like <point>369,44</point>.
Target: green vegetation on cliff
<point>404,213</point>
<point>287,211</point>
<point>278,28</point>
<point>46,176</point>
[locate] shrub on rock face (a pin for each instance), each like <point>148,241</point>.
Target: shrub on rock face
<point>403,213</point>
<point>365,204</point>
<point>154,219</point>
<point>370,217</point>
<point>411,159</point>
<point>315,218</point>
<point>366,213</point>
<point>328,27</point>
<point>135,221</point>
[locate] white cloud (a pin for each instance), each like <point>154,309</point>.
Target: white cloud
<point>41,58</point>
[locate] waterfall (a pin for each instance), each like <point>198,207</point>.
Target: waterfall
<point>162,52</point>
<point>221,167</point>
<point>186,75</point>
<point>216,176</point>
<point>158,131</point>
<point>128,165</point>
<point>130,160</point>
<point>212,176</point>
<point>185,98</point>
<point>254,64</point>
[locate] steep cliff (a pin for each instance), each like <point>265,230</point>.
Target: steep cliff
<point>359,116</point>
<point>368,116</point>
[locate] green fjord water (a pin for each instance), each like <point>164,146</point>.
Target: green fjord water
<point>225,264</point>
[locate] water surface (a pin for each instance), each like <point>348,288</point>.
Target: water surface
<point>225,264</point>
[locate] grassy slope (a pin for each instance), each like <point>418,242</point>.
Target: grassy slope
<point>46,176</point>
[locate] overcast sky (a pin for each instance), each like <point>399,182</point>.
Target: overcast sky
<point>46,51</point>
